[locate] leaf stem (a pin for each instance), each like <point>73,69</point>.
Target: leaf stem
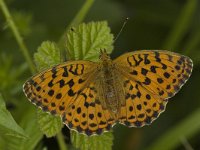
<point>61,141</point>
<point>82,13</point>
<point>17,35</point>
<point>77,19</point>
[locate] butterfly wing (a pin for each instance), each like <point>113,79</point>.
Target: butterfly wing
<point>68,90</point>
<point>150,78</point>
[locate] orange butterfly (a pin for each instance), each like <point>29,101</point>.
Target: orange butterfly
<point>91,97</point>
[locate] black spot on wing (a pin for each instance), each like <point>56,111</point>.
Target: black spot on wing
<point>50,84</point>
<point>147,81</point>
<point>62,83</point>
<point>129,62</point>
<point>65,73</point>
<point>134,72</point>
<point>58,96</point>
<point>153,69</point>
<point>166,75</point>
<point>137,62</point>
<point>51,92</point>
<point>157,56</point>
<point>71,93</point>
<point>146,61</point>
<point>70,83</point>
<point>144,71</point>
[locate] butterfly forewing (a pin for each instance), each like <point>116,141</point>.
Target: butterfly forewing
<point>141,107</point>
<point>150,78</point>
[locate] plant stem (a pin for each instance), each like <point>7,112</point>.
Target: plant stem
<point>192,42</point>
<point>186,144</point>
<point>82,13</point>
<point>77,19</point>
<point>17,35</point>
<point>181,25</point>
<point>171,139</point>
<point>61,141</point>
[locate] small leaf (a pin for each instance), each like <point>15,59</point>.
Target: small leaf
<point>85,41</point>
<point>50,125</point>
<point>102,142</point>
<point>48,55</point>
<point>8,126</point>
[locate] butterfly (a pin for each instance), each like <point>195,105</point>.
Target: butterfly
<point>91,97</point>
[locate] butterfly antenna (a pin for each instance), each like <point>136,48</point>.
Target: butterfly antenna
<point>121,29</point>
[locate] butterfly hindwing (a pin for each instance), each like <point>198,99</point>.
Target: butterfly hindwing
<point>141,107</point>
<point>86,114</point>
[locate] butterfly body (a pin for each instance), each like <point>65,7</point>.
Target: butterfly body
<point>91,97</point>
<point>106,82</point>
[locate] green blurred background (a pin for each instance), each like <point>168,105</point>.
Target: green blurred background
<point>153,24</point>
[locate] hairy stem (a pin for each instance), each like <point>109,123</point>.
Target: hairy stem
<point>181,25</point>
<point>183,129</point>
<point>77,19</point>
<point>17,35</point>
<point>61,141</point>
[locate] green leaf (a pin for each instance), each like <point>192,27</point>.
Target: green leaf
<point>102,142</point>
<point>2,143</point>
<point>8,126</point>
<point>50,125</point>
<point>28,122</point>
<point>85,41</point>
<point>48,55</point>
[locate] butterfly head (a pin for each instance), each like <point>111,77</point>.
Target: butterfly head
<point>104,56</point>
